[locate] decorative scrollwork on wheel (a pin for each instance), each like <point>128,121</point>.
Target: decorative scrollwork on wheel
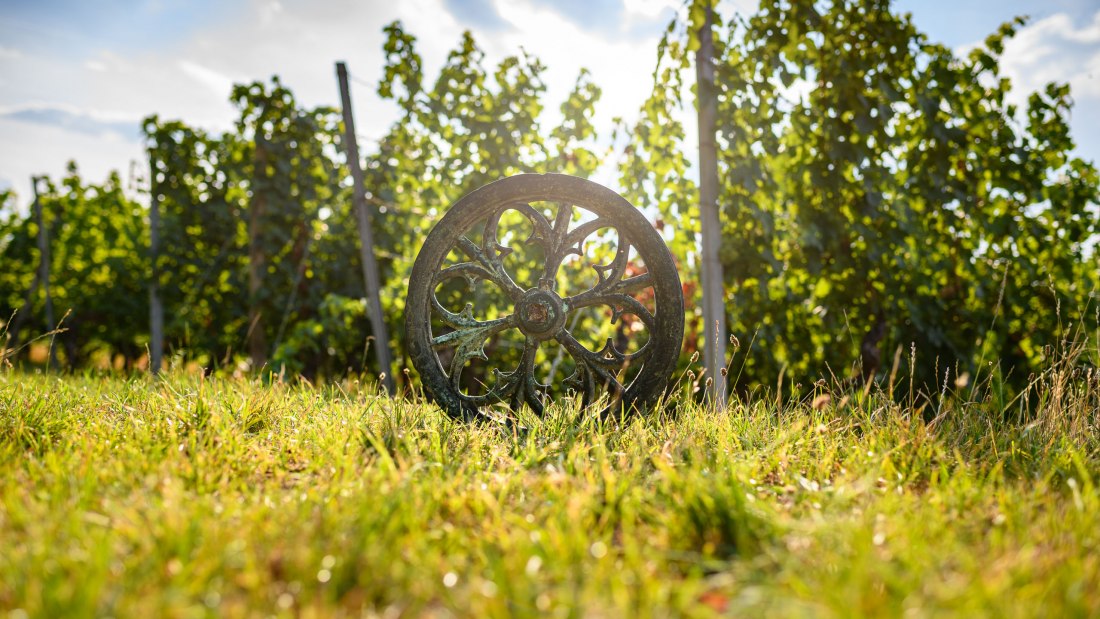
<point>494,320</point>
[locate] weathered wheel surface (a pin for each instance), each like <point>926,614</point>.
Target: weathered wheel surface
<point>495,320</point>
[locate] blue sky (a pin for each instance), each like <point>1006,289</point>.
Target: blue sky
<point>77,77</point>
<point>965,21</point>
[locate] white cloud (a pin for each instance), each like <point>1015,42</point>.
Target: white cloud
<point>1089,34</point>
<point>621,68</point>
<point>1053,49</point>
<point>1056,49</point>
<point>72,118</point>
<point>270,11</point>
<point>649,9</point>
<point>217,83</point>
<point>10,53</point>
<point>45,149</point>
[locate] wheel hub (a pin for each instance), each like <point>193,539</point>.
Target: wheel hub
<point>541,313</point>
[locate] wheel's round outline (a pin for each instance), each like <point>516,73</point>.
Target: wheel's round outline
<point>479,204</point>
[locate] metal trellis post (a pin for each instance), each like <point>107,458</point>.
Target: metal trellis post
<point>366,237</point>
<point>714,312</point>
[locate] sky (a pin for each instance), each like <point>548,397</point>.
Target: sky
<point>77,77</point>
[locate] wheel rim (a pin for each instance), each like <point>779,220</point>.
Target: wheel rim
<point>494,345</point>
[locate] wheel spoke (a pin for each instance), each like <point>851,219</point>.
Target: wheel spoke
<point>610,275</point>
<point>472,330</point>
<point>592,369</point>
<point>605,363</point>
<point>561,222</point>
<point>543,233</point>
<point>619,303</point>
<point>492,251</point>
<point>469,334</point>
<point>527,390</point>
<point>584,383</point>
<point>559,247</point>
<point>493,268</point>
<point>610,284</point>
<point>471,272</point>
<point>632,285</point>
<point>469,342</point>
<point>583,231</point>
<point>517,387</point>
<point>610,356</point>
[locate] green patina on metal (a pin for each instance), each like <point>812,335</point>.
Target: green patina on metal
<point>538,312</point>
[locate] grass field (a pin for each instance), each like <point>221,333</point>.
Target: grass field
<point>192,497</point>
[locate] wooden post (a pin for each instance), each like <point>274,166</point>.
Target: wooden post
<point>44,267</point>
<point>714,311</point>
<point>28,301</point>
<point>156,310</point>
<point>366,237</point>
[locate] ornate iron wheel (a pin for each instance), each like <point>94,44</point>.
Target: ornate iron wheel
<point>537,286</point>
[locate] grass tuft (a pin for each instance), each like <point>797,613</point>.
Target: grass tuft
<point>191,497</point>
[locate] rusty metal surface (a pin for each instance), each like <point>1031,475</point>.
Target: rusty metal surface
<point>446,343</point>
